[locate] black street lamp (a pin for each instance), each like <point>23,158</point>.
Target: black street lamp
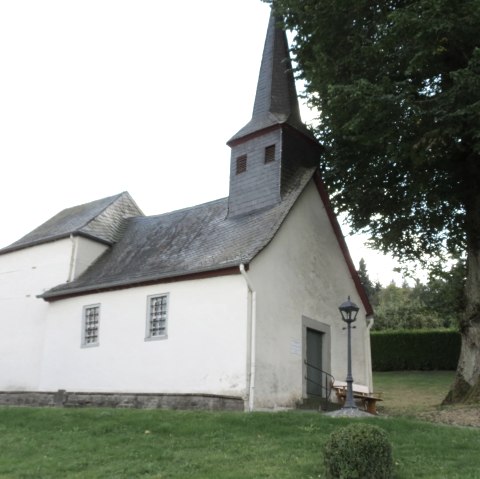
<point>349,313</point>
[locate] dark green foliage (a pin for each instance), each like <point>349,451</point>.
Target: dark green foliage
<point>438,303</point>
<point>371,289</point>
<point>415,350</point>
<point>398,87</point>
<point>444,292</point>
<point>359,451</point>
<point>403,307</point>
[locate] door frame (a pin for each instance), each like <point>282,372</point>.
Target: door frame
<point>309,323</point>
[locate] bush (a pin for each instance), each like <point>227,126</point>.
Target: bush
<point>420,350</point>
<point>358,451</point>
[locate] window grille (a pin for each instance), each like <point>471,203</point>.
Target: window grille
<point>91,320</point>
<point>157,316</point>
<point>241,164</point>
<point>270,154</point>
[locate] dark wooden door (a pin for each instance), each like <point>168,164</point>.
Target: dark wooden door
<point>314,363</point>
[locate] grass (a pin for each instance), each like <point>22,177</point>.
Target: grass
<point>408,392</point>
<point>123,443</point>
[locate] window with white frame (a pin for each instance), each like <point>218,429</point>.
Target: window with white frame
<point>90,325</point>
<point>157,308</point>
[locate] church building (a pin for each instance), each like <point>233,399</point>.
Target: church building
<point>230,304</point>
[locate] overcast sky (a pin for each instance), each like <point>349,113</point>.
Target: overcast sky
<point>103,96</point>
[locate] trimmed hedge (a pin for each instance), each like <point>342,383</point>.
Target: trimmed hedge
<point>415,350</point>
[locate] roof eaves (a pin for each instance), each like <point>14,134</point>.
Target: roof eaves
<point>172,276</point>
<point>246,133</point>
<point>52,239</point>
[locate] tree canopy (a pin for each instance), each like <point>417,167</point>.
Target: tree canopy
<point>370,288</point>
<point>435,303</point>
<point>397,85</point>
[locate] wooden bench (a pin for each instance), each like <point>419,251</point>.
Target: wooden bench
<point>360,392</point>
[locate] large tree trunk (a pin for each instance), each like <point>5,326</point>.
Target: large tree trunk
<point>466,387</point>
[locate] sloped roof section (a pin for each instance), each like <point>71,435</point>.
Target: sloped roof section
<point>181,243</point>
<point>101,220</point>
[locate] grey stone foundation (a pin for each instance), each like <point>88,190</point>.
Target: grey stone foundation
<point>61,398</point>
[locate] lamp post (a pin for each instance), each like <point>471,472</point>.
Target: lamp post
<point>349,313</point>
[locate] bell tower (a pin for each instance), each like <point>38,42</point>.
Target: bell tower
<point>268,151</point>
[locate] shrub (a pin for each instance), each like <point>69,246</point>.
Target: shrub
<point>402,350</point>
<point>358,451</point>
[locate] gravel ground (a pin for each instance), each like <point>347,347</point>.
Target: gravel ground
<point>454,415</point>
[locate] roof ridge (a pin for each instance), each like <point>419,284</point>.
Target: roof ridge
<point>218,200</point>
<point>112,200</point>
<point>57,226</point>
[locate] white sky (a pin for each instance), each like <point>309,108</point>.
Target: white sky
<point>102,96</point>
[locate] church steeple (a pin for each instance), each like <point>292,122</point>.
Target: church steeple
<point>276,100</point>
<point>268,150</point>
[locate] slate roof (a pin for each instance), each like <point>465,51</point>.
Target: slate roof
<point>101,220</point>
<point>183,242</point>
<point>276,100</point>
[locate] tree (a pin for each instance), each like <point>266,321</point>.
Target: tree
<point>436,304</point>
<point>402,307</point>
<point>444,293</point>
<point>367,284</point>
<point>397,83</point>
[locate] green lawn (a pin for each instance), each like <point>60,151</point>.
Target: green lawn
<point>407,392</point>
<point>121,443</point>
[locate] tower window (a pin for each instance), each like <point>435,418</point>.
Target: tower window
<point>270,154</point>
<point>241,164</point>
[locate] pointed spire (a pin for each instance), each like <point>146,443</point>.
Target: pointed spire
<point>276,99</point>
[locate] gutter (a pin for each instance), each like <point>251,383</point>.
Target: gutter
<point>64,291</point>
<point>253,331</point>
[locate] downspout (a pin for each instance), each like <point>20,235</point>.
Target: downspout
<point>73,259</point>
<point>368,362</point>
<point>253,328</point>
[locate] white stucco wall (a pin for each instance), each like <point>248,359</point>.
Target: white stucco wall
<point>302,273</point>
<point>205,351</point>
<point>300,277</point>
<point>24,274</point>
<point>84,252</point>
